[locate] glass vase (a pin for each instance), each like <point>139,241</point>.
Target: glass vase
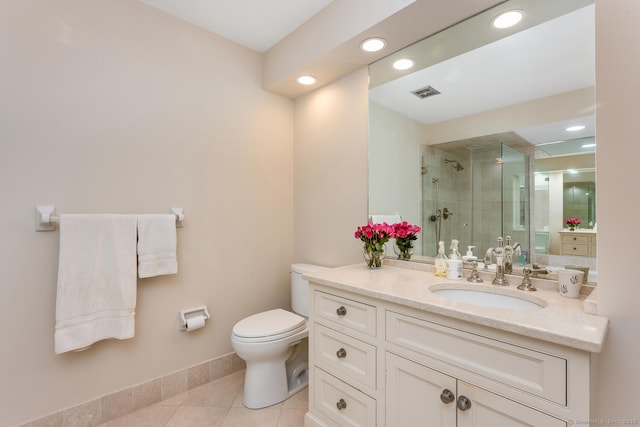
<point>403,251</point>
<point>373,257</point>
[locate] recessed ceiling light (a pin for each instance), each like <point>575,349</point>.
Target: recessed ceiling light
<point>588,145</point>
<point>507,19</point>
<point>575,128</point>
<point>307,80</point>
<point>403,64</point>
<point>373,44</point>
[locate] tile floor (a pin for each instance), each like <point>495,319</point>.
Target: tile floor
<point>216,404</point>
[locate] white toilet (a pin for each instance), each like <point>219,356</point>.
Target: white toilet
<point>274,345</point>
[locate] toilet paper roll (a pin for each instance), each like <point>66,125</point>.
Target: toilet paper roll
<point>195,322</point>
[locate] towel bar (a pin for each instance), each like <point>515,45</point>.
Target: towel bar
<point>46,219</point>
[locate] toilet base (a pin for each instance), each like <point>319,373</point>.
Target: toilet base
<point>266,384</point>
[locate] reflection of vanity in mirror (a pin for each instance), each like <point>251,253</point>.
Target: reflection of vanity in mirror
<point>472,143</point>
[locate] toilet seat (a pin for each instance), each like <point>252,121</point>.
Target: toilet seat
<point>269,326</point>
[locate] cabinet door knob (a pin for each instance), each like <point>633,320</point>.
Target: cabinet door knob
<point>341,353</point>
<point>464,403</point>
<point>446,396</point>
<point>341,404</point>
<point>341,311</point>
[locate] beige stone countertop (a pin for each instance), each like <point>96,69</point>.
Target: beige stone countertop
<point>562,320</point>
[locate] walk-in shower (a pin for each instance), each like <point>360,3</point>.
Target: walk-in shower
<point>468,196</point>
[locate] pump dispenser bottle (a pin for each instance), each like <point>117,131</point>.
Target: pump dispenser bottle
<point>440,263</point>
<point>454,271</point>
<point>470,256</point>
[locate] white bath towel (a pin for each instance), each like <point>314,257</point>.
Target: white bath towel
<point>96,294</point>
<point>389,219</point>
<point>157,245</point>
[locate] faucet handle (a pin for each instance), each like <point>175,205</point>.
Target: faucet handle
<point>475,277</point>
<point>526,280</point>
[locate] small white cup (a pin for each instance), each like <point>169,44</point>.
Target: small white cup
<point>570,282</point>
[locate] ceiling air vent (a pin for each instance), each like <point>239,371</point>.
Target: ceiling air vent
<point>425,92</point>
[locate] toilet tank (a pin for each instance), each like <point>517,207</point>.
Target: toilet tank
<point>300,287</point>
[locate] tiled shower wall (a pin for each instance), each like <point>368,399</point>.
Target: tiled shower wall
<point>473,195</point>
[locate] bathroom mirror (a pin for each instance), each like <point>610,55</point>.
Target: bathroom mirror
<point>472,142</point>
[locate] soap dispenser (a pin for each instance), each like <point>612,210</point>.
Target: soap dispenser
<point>454,272</point>
<point>470,256</point>
<point>440,263</point>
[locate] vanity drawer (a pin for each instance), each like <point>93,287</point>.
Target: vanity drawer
<point>348,356</point>
<point>537,373</point>
<point>345,312</point>
<point>341,403</point>
<point>576,239</point>
<point>575,249</point>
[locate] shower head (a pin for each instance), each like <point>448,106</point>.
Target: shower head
<point>458,167</point>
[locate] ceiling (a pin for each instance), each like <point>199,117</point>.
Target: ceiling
<point>548,59</point>
<point>256,24</point>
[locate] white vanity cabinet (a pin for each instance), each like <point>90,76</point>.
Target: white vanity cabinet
<point>416,393</point>
<point>375,362</point>
<point>578,243</point>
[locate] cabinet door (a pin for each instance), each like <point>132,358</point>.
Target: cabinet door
<point>490,410</point>
<point>413,395</point>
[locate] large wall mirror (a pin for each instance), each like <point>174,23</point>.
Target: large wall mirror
<point>491,133</point>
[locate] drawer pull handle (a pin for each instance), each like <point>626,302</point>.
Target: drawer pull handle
<point>341,404</point>
<point>446,396</point>
<point>341,311</point>
<point>464,403</point>
<point>342,353</point>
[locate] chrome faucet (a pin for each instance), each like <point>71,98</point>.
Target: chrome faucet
<point>500,254</point>
<point>508,256</point>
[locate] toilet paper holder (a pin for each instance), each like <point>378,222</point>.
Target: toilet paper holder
<point>193,312</point>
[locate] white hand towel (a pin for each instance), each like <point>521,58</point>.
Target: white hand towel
<point>389,219</point>
<point>96,294</point>
<point>157,245</point>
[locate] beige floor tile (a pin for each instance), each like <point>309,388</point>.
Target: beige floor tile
<point>198,417</point>
<point>152,416</point>
<point>291,417</point>
<point>237,403</point>
<point>217,404</point>
<point>243,417</point>
<point>300,400</point>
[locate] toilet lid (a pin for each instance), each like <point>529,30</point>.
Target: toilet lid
<point>268,323</point>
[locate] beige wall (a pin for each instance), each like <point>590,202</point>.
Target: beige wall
<point>617,156</point>
<point>113,106</point>
<point>330,178</point>
<point>395,161</point>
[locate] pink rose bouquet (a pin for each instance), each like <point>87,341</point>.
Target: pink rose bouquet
<point>405,234</point>
<point>572,222</point>
<point>374,237</point>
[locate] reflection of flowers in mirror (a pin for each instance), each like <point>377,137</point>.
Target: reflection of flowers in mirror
<point>405,234</point>
<point>572,223</point>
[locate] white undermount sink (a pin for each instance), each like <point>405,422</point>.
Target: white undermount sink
<point>486,297</point>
